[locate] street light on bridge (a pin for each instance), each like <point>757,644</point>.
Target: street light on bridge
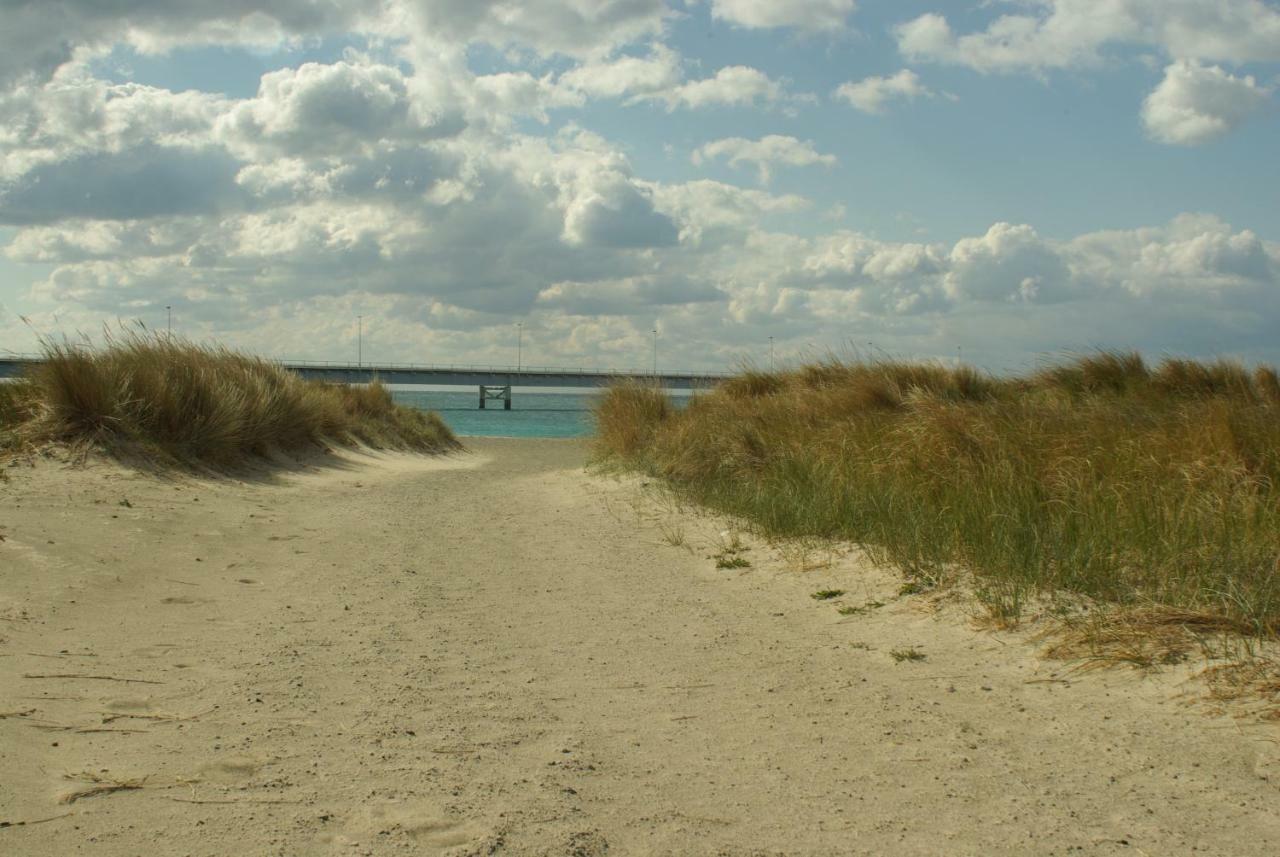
<point>519,344</point>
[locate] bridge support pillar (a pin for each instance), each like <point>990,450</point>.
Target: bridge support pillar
<point>495,393</point>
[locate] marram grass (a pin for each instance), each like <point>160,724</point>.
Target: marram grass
<point>1103,476</point>
<point>199,404</point>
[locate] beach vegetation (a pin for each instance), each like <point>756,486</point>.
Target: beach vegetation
<point>1153,488</point>
<point>180,401</point>
<point>673,534</point>
<point>859,609</point>
<point>911,654</point>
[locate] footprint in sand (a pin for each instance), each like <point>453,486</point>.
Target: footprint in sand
<point>155,650</point>
<point>129,705</point>
<point>425,824</point>
<point>230,769</point>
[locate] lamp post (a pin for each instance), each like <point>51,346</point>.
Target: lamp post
<point>359,341</point>
<point>169,312</point>
<point>519,345</point>
<point>655,352</point>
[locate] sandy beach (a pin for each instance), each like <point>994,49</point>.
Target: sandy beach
<point>501,653</point>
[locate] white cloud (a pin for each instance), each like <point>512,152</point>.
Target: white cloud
<point>811,15</point>
<point>580,28</point>
<point>41,35</point>
<point>145,181</point>
<point>732,86</point>
<point>503,96</point>
<point>627,295</point>
<point>1195,104</point>
<point>1196,256</point>
<point>713,214</point>
<point>660,77</point>
<point>873,94</point>
<point>1011,262</point>
<point>624,76</point>
<point>74,114</point>
<point>408,192</point>
<point>764,154</point>
<point>453,280</point>
<point>337,108</point>
<point>1070,33</point>
<point>613,211</point>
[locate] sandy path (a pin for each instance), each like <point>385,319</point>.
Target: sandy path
<point>495,654</point>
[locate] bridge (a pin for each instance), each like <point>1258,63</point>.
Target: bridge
<point>494,382</point>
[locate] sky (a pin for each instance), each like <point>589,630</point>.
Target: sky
<point>1005,182</point>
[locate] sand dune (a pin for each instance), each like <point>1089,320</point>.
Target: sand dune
<point>497,653</point>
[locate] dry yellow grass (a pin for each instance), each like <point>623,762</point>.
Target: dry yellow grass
<point>193,403</point>
<point>1145,487</point>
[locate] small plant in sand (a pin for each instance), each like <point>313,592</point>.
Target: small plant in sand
<point>826,594</point>
<point>859,610</point>
<point>911,654</point>
<point>673,534</point>
<point>729,551</point>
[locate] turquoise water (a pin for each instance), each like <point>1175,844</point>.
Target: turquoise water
<point>531,414</point>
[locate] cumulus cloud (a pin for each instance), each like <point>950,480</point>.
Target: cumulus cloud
<point>764,154</point>
<point>1062,34</point>
<point>873,94</point>
<point>336,108</point>
<point>455,278</point>
<point>1196,104</point>
<point>627,296</point>
<point>1067,33</point>
<point>811,15</point>
<point>660,77</point>
<point>1011,262</point>
<point>77,115</point>
<point>735,85</point>
<point>39,36</point>
<point>580,28</point>
<point>626,76</point>
<point>405,189</point>
<point>615,212</point>
<point>713,214</point>
<point>146,181</point>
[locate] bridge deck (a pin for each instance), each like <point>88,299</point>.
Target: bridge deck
<point>459,375</point>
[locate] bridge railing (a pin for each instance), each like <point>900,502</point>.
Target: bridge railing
<point>452,367</point>
<point>506,370</point>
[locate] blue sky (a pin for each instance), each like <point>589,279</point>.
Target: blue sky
<point>1011,179</point>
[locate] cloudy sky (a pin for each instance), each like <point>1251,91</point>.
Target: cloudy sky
<point>1006,178</point>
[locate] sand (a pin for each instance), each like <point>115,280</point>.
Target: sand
<point>499,653</point>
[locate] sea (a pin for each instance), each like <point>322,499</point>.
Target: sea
<point>532,414</point>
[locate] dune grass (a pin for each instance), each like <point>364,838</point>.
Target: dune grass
<point>199,404</point>
<point>1153,487</point>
